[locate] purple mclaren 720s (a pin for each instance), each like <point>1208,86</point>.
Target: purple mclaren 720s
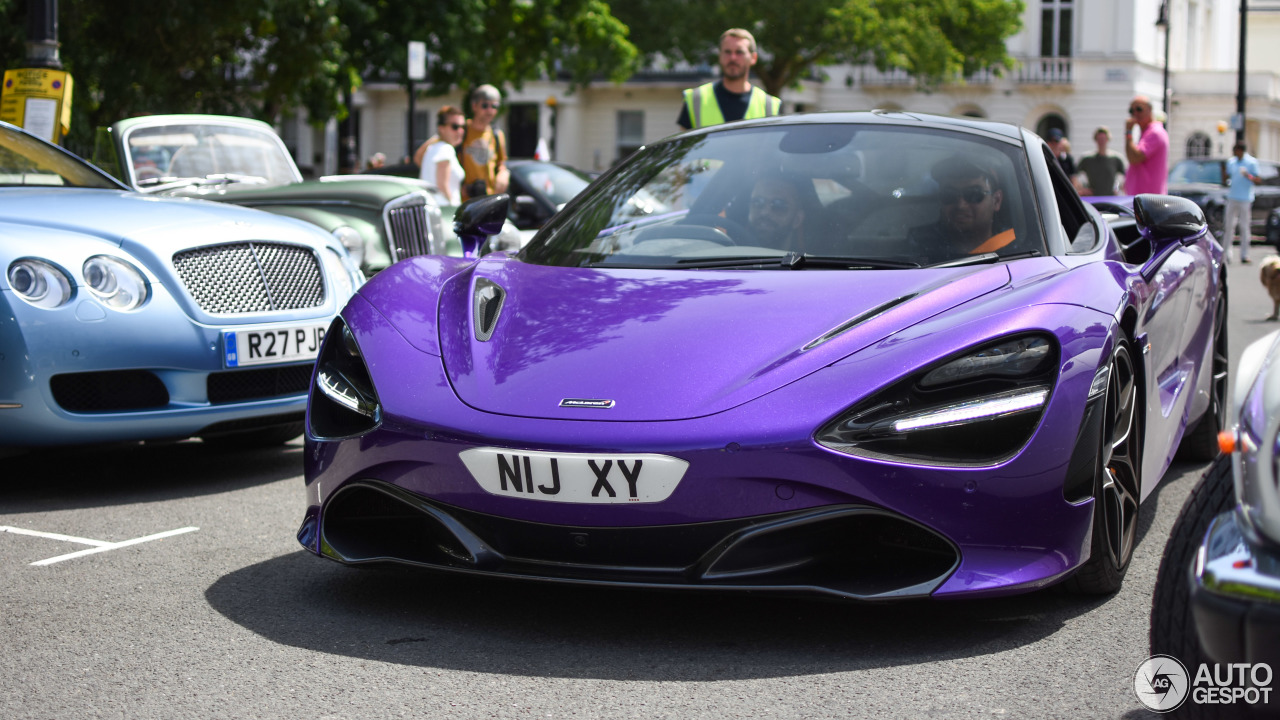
<point>872,356</point>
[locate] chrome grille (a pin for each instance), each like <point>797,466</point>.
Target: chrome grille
<point>251,277</point>
<point>408,227</point>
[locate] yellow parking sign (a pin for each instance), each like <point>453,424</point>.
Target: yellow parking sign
<point>38,100</point>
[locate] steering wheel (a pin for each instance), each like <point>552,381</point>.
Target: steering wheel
<point>147,172</point>
<point>725,230</point>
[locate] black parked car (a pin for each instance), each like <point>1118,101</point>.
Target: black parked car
<point>1204,181</point>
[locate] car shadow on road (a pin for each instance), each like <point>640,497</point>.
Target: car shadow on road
<point>438,620</point>
<point>103,476</point>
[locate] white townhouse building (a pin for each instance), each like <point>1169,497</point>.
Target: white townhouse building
<point>1079,64</point>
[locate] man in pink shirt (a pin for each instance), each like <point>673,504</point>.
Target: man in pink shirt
<point>1149,156</point>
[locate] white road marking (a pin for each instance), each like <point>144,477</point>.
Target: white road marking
<point>52,536</point>
<point>98,545</point>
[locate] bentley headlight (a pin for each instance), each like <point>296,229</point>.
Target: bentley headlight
<point>353,241</point>
<point>343,400</point>
<point>342,273</point>
<point>115,283</point>
<point>39,283</point>
<point>978,408</point>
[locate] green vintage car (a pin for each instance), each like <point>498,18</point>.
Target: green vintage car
<point>379,219</point>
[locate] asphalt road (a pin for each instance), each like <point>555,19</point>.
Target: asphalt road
<point>232,620</point>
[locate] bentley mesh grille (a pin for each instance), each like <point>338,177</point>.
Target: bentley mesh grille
<point>407,222</point>
<point>251,277</point>
<point>109,390</point>
<point>237,385</point>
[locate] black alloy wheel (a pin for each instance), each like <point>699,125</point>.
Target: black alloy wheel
<point>1117,483</point>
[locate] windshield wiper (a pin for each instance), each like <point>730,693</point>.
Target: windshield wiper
<point>786,261</point>
<point>801,261</point>
<point>984,258</point>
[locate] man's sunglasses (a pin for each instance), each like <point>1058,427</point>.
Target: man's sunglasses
<point>457,126</point>
<point>490,105</point>
<point>778,205</point>
<point>972,195</point>
<point>1135,109</point>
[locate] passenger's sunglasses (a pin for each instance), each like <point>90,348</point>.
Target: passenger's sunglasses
<point>972,195</point>
<point>777,205</point>
<point>490,105</point>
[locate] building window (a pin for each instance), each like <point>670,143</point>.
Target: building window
<point>1199,145</point>
<point>421,128</point>
<point>1052,121</point>
<point>630,132</point>
<point>1055,28</point>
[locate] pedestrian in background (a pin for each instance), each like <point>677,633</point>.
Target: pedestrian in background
<point>484,153</point>
<point>439,160</point>
<point>1148,154</point>
<point>1102,169</point>
<point>376,161</point>
<point>732,97</point>
<point>1242,173</point>
<point>1061,148</point>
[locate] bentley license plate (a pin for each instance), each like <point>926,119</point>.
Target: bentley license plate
<point>573,477</point>
<point>271,345</point>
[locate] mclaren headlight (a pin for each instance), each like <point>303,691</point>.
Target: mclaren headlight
<point>343,400</point>
<point>974,409</point>
<point>115,283</point>
<point>39,283</point>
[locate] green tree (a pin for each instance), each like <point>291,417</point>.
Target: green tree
<point>934,40</point>
<point>259,58</point>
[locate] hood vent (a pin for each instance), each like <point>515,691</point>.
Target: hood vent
<point>850,324</point>
<point>487,301</point>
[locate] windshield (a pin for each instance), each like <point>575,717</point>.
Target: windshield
<point>557,184</point>
<point>1197,171</point>
<point>24,160</point>
<point>811,196</point>
<point>169,153</point>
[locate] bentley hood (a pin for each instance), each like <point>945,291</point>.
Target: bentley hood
<point>650,345</point>
<point>134,221</point>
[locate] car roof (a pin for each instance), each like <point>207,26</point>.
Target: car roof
<point>180,119</point>
<point>1004,130</point>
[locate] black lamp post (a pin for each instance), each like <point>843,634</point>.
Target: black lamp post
<point>1240,89</point>
<point>1162,22</point>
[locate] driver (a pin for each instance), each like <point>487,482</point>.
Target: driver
<point>970,200</point>
<point>776,213</point>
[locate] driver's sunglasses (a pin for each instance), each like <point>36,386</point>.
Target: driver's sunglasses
<point>972,195</point>
<point>777,205</point>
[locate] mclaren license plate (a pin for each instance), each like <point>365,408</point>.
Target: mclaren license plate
<point>574,478</point>
<point>272,345</point>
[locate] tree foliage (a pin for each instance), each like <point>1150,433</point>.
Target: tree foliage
<point>934,40</point>
<point>258,58</point>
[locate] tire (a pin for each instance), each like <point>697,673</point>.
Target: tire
<point>265,437</point>
<point>1173,629</point>
<point>1201,443</point>
<point>1117,483</point>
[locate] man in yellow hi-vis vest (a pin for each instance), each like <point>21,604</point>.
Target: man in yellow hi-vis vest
<point>732,97</point>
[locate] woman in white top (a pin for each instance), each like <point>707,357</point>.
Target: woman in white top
<point>439,161</point>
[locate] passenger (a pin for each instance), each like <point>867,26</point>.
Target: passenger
<point>971,199</point>
<point>777,213</point>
